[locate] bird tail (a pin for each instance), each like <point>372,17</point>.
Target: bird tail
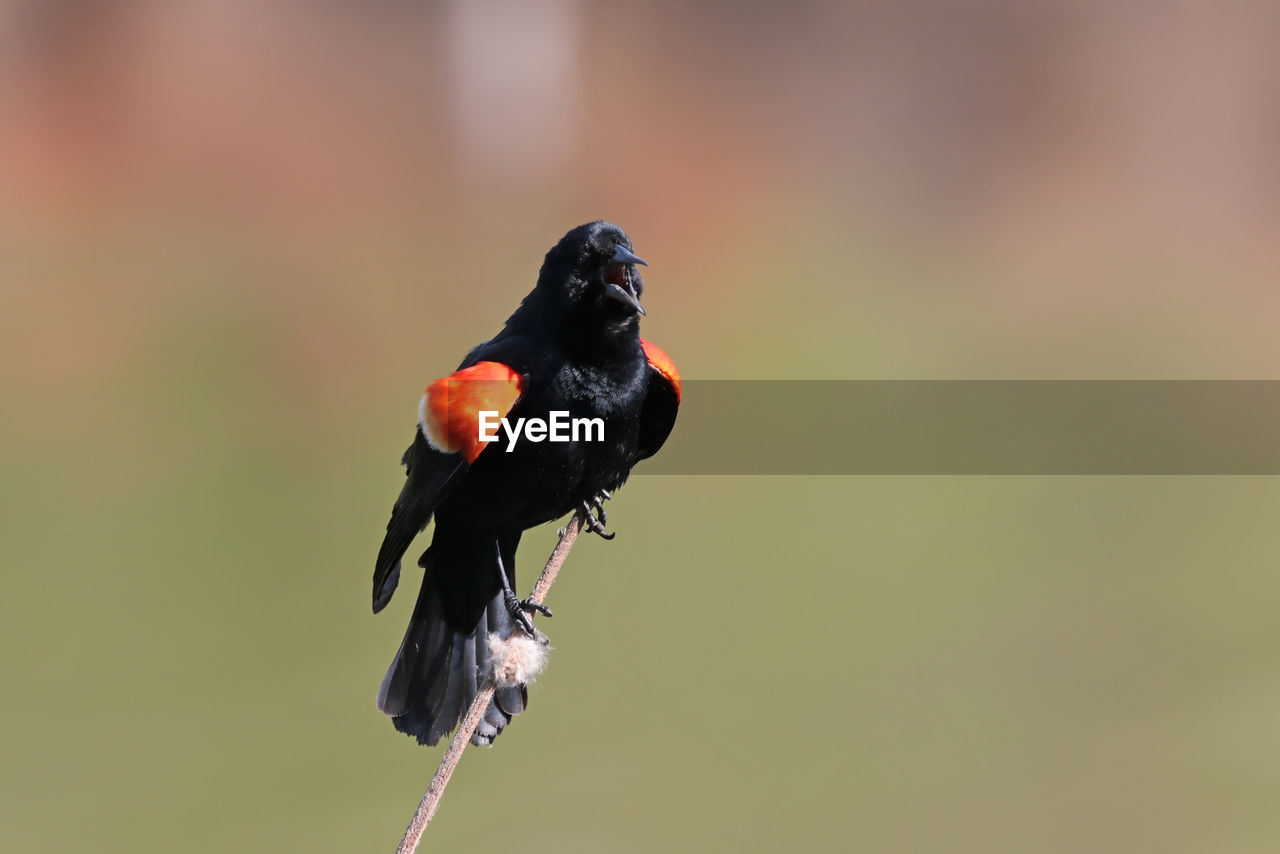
<point>459,636</point>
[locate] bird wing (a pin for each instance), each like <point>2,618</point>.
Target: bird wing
<point>661,401</point>
<point>445,445</point>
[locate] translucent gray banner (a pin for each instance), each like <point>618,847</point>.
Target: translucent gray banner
<point>974,427</point>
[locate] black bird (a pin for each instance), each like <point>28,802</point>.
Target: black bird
<point>572,347</point>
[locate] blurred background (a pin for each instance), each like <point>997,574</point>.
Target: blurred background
<point>238,238</point>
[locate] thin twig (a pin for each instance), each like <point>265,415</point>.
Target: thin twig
<point>435,790</point>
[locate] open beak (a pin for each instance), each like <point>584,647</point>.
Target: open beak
<point>624,291</point>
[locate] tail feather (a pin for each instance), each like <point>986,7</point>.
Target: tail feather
<point>456,680</point>
<point>512,700</point>
<point>445,656</point>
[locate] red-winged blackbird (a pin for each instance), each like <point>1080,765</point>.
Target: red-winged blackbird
<point>573,347</point>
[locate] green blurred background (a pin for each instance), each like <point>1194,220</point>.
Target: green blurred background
<point>237,238</point>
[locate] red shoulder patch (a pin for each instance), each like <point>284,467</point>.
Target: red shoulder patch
<point>662,364</point>
<point>450,410</point>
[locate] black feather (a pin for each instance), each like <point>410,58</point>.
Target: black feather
<point>575,342</point>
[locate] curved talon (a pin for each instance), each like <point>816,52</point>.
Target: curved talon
<point>595,524</point>
<point>531,606</point>
<point>520,610</point>
<point>516,609</point>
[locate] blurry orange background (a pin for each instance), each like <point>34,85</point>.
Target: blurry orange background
<point>237,238</point>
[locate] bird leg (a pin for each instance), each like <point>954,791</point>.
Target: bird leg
<point>518,608</point>
<point>595,522</point>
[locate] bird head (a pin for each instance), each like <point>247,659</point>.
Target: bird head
<point>593,270</point>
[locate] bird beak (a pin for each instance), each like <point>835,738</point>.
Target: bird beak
<point>621,257</point>
<point>623,295</point>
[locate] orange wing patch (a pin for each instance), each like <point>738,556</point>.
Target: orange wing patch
<point>450,410</point>
<point>662,364</point>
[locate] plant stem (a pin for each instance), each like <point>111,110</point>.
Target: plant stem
<point>435,790</point>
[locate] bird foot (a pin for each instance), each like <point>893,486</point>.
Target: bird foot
<point>520,609</point>
<point>531,606</point>
<point>596,521</point>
